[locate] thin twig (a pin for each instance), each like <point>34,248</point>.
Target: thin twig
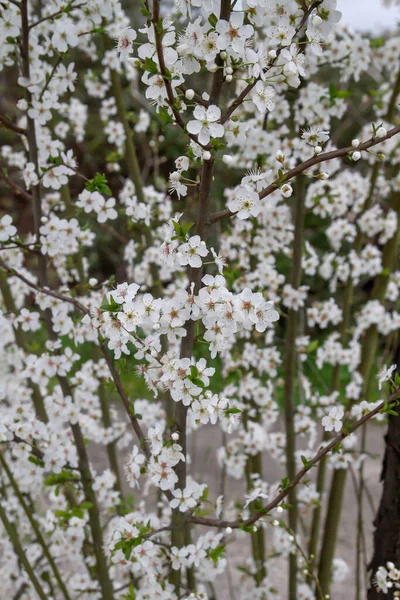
<point>314,461</point>
<point>300,168</point>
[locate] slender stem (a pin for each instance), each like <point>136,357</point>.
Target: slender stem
<point>299,476</point>
<point>290,375</point>
<point>35,528</point>
<point>9,125</point>
<point>347,302</point>
<point>369,349</point>
<point>20,552</point>
<point>315,160</point>
<point>102,572</point>
<point>20,338</point>
<point>131,155</point>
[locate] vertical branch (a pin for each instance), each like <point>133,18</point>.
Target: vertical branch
<point>290,375</point>
<point>20,339</point>
<point>20,552</point>
<point>83,461</point>
<point>132,161</point>
<point>368,355</point>
<point>387,520</point>
<point>181,529</point>
<point>40,539</point>
<point>369,349</point>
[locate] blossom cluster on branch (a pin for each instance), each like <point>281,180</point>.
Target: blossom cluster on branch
<point>198,237</point>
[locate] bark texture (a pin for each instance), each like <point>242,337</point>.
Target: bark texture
<point>387,520</point>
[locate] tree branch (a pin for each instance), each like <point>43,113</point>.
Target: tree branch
<point>9,125</point>
<point>314,461</point>
<point>300,168</point>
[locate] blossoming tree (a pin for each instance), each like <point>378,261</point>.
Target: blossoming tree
<point>202,196</point>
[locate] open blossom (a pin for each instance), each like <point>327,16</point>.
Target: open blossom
<point>281,34</point>
<point>233,34</point>
<point>192,252</point>
<point>7,229</point>
<point>245,203</point>
<point>314,136</point>
<point>205,126</point>
<point>175,184</point>
<point>385,374</point>
<point>125,40</point>
<point>263,97</point>
<point>333,420</point>
<point>254,495</point>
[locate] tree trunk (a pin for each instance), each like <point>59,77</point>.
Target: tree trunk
<point>387,520</point>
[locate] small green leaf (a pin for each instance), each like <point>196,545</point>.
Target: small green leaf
<point>213,20</point>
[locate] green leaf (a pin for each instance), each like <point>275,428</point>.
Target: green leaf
<point>164,115</point>
<point>213,20</point>
<point>307,463</point>
<point>377,42</point>
<point>110,305</point>
<point>149,65</point>
<point>285,483</point>
<point>61,478</point>
<point>36,461</point>
<point>232,411</point>
<point>98,184</point>
<point>216,553</point>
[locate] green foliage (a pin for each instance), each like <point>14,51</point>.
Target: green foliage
<point>99,184</point>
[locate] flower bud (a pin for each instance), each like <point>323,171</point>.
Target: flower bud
<point>175,436</point>
<point>381,132</point>
<point>356,155</point>
<point>227,159</point>
<point>229,70</point>
<point>355,143</point>
<point>228,530</point>
<point>316,20</point>
<point>280,157</point>
<point>223,55</point>
<point>272,54</point>
<point>317,150</point>
<point>93,281</point>
<point>228,78</point>
<point>22,104</point>
<point>206,155</point>
<point>189,94</point>
<point>286,190</point>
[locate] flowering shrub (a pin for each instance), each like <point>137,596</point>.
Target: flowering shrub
<point>182,233</point>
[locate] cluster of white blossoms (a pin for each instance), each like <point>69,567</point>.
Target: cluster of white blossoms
<point>112,300</point>
<point>387,579</point>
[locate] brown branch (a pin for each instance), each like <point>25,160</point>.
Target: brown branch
<point>14,186</point>
<point>44,290</point>
<point>125,400</point>
<point>242,96</point>
<point>300,168</point>
<point>314,461</point>
<point>7,123</point>
<point>54,15</point>
<point>164,73</point>
<point>115,376</point>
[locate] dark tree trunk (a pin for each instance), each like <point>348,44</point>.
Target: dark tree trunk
<point>387,520</point>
